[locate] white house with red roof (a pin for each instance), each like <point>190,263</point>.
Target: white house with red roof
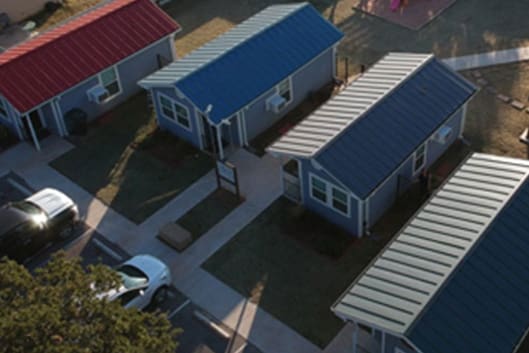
<point>85,66</point>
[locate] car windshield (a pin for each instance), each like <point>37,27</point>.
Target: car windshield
<point>27,207</point>
<point>132,277</point>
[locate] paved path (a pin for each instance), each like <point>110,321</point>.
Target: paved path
<point>487,59</point>
<point>260,186</point>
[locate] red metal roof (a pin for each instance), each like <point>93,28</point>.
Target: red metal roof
<point>41,68</point>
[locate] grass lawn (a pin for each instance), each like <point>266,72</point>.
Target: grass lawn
<point>294,264</point>
<point>129,165</point>
<point>493,126</point>
<point>296,281</point>
<point>46,19</point>
<point>209,212</point>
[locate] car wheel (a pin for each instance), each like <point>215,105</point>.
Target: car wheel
<point>160,295</point>
<point>67,231</point>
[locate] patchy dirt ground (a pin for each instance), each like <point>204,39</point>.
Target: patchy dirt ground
<point>468,26</point>
<point>493,126</point>
<point>45,19</point>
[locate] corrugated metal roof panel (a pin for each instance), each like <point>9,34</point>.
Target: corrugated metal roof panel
<point>245,62</point>
<point>487,294</point>
<point>409,95</point>
<point>43,67</point>
<point>422,265</point>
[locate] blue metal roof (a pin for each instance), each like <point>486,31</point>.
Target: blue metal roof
<point>454,279</point>
<point>239,66</point>
<point>372,146</point>
<point>484,307</point>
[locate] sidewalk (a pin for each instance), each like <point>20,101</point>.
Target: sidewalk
<point>488,59</point>
<point>246,318</point>
<point>260,185</point>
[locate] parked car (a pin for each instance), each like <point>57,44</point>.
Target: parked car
<point>146,280</point>
<point>29,225</point>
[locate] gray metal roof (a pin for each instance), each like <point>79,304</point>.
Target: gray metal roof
<point>223,44</point>
<point>406,277</point>
<point>333,117</point>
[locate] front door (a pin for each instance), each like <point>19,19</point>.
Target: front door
<point>36,122</point>
<point>209,138</point>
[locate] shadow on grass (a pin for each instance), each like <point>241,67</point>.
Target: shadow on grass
<point>295,264</point>
<point>109,164</point>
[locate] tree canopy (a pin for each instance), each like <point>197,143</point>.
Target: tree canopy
<point>55,310</point>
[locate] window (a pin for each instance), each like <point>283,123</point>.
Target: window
<point>129,296</point>
<point>174,111</point>
<point>109,80</point>
<point>330,195</point>
<point>3,110</point>
<point>319,189</point>
<point>339,200</point>
<point>419,158</point>
<point>284,89</point>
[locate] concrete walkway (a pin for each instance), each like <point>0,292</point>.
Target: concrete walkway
<point>260,185</point>
<point>487,59</point>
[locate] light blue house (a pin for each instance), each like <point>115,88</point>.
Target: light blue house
<point>353,156</point>
<point>454,279</point>
<point>231,89</point>
<point>90,63</point>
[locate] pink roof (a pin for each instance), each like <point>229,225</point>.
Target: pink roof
<point>41,68</point>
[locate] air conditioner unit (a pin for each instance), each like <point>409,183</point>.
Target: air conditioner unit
<point>97,94</point>
<point>443,134</point>
<point>275,103</point>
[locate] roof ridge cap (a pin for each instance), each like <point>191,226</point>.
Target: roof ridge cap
<point>473,247</point>
<point>403,80</point>
<point>262,30</point>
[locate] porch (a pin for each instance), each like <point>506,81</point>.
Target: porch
<point>291,181</point>
<point>38,123</point>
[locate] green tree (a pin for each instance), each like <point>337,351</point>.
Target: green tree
<point>55,310</point>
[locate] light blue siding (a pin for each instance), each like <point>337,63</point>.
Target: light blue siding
<point>190,135</point>
<point>129,71</point>
<point>393,342</point>
<point>383,198</point>
<point>230,132</point>
<point>349,223</point>
<point>310,78</point>
<point>436,149</point>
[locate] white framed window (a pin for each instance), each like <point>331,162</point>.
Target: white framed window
<point>3,110</point>
<point>419,158</point>
<point>110,81</point>
<point>174,111</point>
<point>284,89</point>
<point>318,189</point>
<point>329,195</point>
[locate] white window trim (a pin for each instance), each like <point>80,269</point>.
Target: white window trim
<point>291,88</point>
<point>118,80</point>
<point>415,172</point>
<point>6,117</point>
<point>175,120</point>
<point>328,191</point>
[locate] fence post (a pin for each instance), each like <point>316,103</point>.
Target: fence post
<point>346,68</point>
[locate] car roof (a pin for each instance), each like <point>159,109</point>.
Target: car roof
<point>11,217</point>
